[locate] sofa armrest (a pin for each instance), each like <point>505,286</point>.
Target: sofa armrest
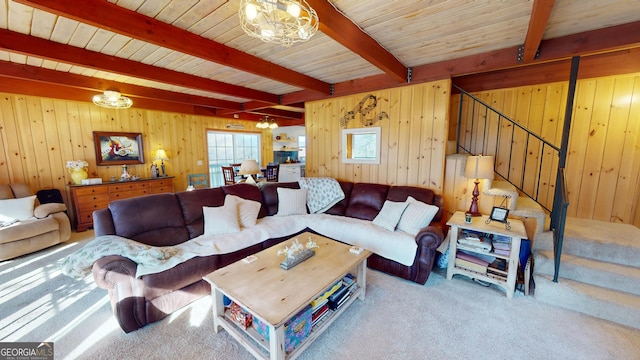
<point>44,210</point>
<point>428,239</point>
<point>117,274</point>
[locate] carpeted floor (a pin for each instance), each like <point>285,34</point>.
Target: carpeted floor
<point>455,319</point>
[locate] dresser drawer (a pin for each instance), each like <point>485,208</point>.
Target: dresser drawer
<point>163,189</point>
<point>85,218</point>
<point>164,184</point>
<point>128,194</point>
<point>92,202</point>
<point>93,190</point>
<point>129,186</point>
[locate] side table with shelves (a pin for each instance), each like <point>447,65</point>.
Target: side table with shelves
<point>85,199</point>
<point>478,224</point>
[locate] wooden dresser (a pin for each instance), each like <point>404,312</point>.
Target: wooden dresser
<point>85,199</point>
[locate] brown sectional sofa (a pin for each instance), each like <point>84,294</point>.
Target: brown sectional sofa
<point>170,219</point>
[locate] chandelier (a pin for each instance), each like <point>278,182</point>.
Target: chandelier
<point>282,22</point>
<point>267,124</point>
<point>112,99</point>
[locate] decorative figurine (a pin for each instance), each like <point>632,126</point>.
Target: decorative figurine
<point>154,171</point>
<point>297,253</point>
<point>125,175</point>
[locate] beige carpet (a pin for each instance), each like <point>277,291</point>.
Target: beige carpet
<point>455,319</point>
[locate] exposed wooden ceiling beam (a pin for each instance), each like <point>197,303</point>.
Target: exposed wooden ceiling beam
<point>112,17</point>
<point>540,14</point>
<point>45,49</point>
<point>337,26</point>
<point>42,75</point>
<point>611,39</point>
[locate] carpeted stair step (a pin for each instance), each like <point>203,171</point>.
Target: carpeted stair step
<point>598,240</point>
<point>612,305</point>
<point>599,273</point>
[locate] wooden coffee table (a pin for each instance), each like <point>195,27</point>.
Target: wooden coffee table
<point>275,295</point>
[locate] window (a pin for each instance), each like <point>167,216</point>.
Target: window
<point>225,148</point>
<point>361,146</point>
<point>302,148</point>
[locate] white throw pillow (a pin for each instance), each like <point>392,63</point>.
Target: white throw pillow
<point>416,216</point>
<point>21,209</point>
<point>390,214</point>
<point>248,211</point>
<point>221,219</point>
<point>292,201</point>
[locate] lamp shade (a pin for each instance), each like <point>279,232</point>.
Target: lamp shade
<point>161,155</point>
<point>249,167</point>
<point>479,167</point>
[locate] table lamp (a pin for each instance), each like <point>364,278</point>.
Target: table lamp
<point>478,167</point>
<point>249,167</point>
<point>162,156</point>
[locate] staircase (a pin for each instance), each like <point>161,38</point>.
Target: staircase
<point>599,272</point>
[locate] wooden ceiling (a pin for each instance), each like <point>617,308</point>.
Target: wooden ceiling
<point>192,56</point>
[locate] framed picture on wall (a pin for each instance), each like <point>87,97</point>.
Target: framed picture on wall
<point>118,148</point>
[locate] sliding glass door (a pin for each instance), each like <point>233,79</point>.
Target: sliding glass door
<point>226,148</point>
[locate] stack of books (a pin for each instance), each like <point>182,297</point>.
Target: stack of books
<point>498,267</point>
<point>340,297</point>
<point>501,245</point>
<point>475,241</point>
<point>319,312</point>
<point>332,299</point>
<point>470,262</point>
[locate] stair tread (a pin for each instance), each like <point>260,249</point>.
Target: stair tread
<point>593,300</point>
<point>593,264</point>
<point>598,292</point>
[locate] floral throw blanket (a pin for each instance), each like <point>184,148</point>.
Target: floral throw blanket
<point>322,193</point>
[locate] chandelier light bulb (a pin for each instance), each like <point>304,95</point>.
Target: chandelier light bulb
<point>294,10</point>
<point>251,11</point>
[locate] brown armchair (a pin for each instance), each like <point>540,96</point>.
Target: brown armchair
<point>48,226</point>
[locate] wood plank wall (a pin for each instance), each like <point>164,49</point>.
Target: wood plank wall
<point>38,135</point>
<point>413,137</point>
<point>603,164</point>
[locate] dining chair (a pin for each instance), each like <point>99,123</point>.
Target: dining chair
<point>272,173</point>
<point>229,175</point>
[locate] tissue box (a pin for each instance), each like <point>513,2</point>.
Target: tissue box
<point>91,181</point>
<point>295,330</point>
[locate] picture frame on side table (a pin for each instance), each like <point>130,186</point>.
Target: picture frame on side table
<point>118,148</point>
<point>499,214</point>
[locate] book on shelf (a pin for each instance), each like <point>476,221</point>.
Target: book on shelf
<point>337,304</point>
<point>472,258</point>
<point>498,267</point>
<point>320,311</point>
<point>465,264</point>
<point>327,293</point>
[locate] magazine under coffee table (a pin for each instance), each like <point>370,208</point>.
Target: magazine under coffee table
<point>274,295</point>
